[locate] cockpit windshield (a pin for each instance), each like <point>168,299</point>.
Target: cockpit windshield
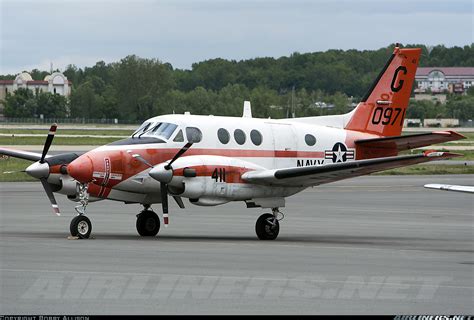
<point>142,128</point>
<point>162,130</point>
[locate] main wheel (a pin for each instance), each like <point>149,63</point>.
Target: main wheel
<point>148,224</point>
<point>267,228</point>
<point>81,227</point>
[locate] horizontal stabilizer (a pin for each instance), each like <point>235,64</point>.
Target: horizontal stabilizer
<point>407,142</point>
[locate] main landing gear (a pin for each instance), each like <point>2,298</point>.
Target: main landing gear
<point>267,226</point>
<point>148,223</point>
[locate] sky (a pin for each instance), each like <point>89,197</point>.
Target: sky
<point>36,33</point>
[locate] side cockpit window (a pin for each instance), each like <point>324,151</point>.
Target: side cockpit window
<point>193,134</point>
<point>179,137</point>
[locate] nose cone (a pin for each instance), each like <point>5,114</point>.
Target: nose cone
<point>38,170</point>
<point>81,169</point>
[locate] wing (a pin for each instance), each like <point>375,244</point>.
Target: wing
<point>316,175</point>
<point>26,155</point>
<point>448,187</point>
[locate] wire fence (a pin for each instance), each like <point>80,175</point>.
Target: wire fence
<point>65,121</point>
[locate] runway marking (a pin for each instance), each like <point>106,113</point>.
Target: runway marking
<point>228,277</point>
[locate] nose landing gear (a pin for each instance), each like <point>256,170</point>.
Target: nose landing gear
<point>81,226</point>
<point>267,226</point>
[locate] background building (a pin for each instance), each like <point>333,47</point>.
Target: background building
<point>54,83</point>
<point>438,80</point>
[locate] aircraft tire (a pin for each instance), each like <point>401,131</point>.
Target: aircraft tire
<point>81,227</point>
<point>148,224</point>
<point>264,229</point>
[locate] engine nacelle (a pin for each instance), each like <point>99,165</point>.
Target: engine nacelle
<point>63,184</point>
<point>208,202</point>
<point>211,180</point>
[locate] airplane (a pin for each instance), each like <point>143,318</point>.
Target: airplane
<point>450,187</point>
<point>213,160</point>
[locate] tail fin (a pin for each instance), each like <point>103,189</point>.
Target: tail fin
<point>383,108</point>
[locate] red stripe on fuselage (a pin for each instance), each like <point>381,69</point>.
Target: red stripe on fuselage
<point>123,163</point>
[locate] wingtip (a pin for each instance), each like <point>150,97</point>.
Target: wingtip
<point>441,154</point>
<point>451,133</point>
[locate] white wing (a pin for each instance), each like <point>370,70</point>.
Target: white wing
<point>449,187</point>
<point>316,175</point>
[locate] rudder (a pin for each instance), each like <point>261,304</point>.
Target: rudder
<point>383,108</point>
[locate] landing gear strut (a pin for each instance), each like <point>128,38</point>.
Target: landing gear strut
<point>148,223</point>
<point>81,226</point>
<point>267,226</point>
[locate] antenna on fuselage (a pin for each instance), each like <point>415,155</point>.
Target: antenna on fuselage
<point>247,113</point>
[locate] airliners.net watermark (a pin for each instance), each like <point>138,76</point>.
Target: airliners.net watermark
<point>140,287</point>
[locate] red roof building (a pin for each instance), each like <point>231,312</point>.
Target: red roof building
<point>444,79</point>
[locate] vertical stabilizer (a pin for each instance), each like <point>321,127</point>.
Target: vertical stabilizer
<point>383,108</point>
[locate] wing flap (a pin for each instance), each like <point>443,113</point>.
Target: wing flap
<point>316,175</point>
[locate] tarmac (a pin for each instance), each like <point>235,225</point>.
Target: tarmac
<point>370,245</point>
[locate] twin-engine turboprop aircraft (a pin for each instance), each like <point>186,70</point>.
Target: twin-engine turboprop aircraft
<point>213,160</point>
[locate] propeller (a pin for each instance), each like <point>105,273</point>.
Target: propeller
<point>40,170</point>
<point>9,172</point>
<point>164,173</point>
<point>49,141</point>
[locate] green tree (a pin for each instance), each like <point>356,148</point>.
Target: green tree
<point>52,105</point>
<point>21,104</point>
<point>461,107</point>
<point>139,83</point>
<point>85,103</point>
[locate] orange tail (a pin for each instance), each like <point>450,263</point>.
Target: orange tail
<point>383,108</point>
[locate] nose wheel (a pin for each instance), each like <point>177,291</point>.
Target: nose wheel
<point>267,226</point>
<point>148,223</point>
<point>81,227</point>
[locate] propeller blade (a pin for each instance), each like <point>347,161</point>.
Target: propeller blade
<point>179,154</point>
<point>164,202</point>
<point>8,172</point>
<point>179,201</point>
<point>50,194</point>
<point>49,141</point>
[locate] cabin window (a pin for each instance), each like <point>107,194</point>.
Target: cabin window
<point>256,137</point>
<point>193,134</point>
<point>310,140</point>
<point>179,137</point>
<point>223,135</point>
<point>239,136</point>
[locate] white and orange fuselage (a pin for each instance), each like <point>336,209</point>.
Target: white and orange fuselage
<point>219,162</point>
